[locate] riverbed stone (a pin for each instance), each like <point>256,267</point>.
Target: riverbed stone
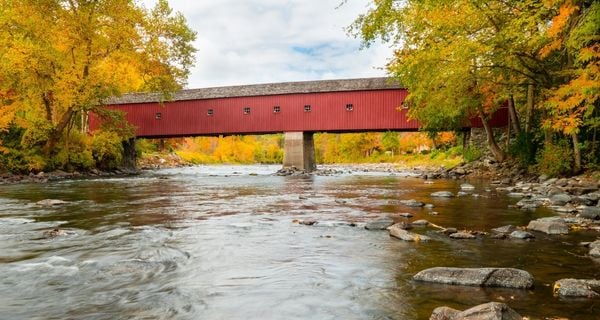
<point>484,277</point>
<point>560,199</point>
<point>462,235</point>
<point>399,232</point>
<point>412,203</point>
<point>467,186</point>
<point>590,213</point>
<point>549,225</point>
<point>405,214</point>
<point>51,202</point>
<point>379,224</point>
<point>486,311</point>
<point>442,194</point>
<point>504,229</point>
<point>520,234</point>
<point>527,204</point>
<point>577,288</point>
<point>421,222</point>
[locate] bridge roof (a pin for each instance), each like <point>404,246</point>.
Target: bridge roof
<point>363,84</point>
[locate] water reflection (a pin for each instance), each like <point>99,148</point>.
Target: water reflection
<point>220,242</point>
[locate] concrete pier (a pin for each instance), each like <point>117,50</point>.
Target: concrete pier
<point>299,151</point>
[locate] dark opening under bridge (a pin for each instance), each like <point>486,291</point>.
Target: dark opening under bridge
<point>297,109</point>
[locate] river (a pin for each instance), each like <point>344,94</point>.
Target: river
<point>221,242</point>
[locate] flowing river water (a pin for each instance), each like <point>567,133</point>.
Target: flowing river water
<point>220,242</point>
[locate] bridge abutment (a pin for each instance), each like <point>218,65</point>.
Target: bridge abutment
<point>299,151</point>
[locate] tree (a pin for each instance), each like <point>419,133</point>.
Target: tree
<point>459,58</point>
<point>61,59</point>
<point>572,99</point>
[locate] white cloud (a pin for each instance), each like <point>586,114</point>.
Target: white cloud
<point>258,41</point>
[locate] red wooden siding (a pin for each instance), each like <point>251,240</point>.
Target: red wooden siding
<point>372,110</point>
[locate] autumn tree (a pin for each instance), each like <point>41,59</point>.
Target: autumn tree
<point>573,97</point>
<point>62,59</point>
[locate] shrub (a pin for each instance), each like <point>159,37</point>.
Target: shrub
<point>555,159</point>
<point>471,154</point>
<point>524,148</point>
<point>107,149</point>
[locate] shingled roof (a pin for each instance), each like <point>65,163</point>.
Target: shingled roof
<point>264,89</point>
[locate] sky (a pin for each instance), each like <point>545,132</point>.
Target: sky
<point>263,41</point>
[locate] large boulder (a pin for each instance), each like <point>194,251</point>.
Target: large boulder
<point>549,225</point>
<point>443,194</point>
<point>398,231</point>
<point>484,277</point>
<point>577,288</point>
<point>486,311</point>
<point>379,224</point>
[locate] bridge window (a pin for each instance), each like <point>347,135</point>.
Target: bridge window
<point>210,112</point>
<point>307,108</point>
<point>158,116</point>
<point>276,109</point>
<point>349,107</point>
<point>246,110</point>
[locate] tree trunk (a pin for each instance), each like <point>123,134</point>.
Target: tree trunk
<point>576,154</point>
<point>57,132</point>
<point>514,118</point>
<point>489,132</point>
<point>466,139</point>
<point>530,108</point>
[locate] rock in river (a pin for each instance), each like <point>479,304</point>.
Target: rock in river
<point>486,311</point>
<point>379,224</point>
<point>549,225</point>
<point>50,202</point>
<point>443,194</point>
<point>412,203</point>
<point>577,288</point>
<point>466,186</point>
<point>397,231</point>
<point>484,277</point>
<point>462,235</point>
<point>560,199</point>
<point>590,213</point>
<point>519,234</point>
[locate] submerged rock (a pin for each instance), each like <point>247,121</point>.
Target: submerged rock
<point>405,215</point>
<point>397,231</point>
<point>443,194</point>
<point>577,288</point>
<point>519,234</point>
<point>484,277</point>
<point>51,202</point>
<point>56,232</point>
<point>412,203</point>
<point>487,311</point>
<point>549,225</point>
<point>462,235</point>
<point>379,224</point>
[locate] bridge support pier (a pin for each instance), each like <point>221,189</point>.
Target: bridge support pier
<point>129,154</point>
<point>299,151</point>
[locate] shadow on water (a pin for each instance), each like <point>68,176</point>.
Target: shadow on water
<point>221,242</point>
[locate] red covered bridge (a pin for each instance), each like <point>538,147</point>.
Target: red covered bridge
<point>297,109</point>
